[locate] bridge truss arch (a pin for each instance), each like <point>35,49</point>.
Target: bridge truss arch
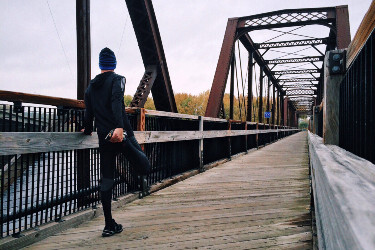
<point>288,74</point>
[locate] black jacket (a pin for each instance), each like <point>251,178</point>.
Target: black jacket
<point>104,100</point>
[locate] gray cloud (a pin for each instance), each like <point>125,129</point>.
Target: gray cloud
<point>32,59</point>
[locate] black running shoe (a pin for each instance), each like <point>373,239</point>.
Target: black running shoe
<point>111,230</point>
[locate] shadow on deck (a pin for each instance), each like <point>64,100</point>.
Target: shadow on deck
<point>258,200</point>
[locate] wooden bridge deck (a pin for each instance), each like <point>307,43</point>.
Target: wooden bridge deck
<point>259,200</point>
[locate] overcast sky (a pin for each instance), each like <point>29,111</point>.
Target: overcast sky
<point>33,60</point>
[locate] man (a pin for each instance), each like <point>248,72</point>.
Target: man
<point>104,100</point>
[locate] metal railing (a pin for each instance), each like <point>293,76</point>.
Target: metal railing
<point>357,103</point>
<point>41,183</point>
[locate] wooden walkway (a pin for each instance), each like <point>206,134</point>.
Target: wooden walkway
<point>259,200</point>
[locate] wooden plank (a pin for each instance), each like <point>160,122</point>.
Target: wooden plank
<point>343,187</point>
<point>35,142</point>
<point>40,99</point>
<point>365,29</point>
<point>258,200</point>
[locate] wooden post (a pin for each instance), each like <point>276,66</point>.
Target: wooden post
<point>229,140</point>
<point>331,103</point>
<point>315,124</point>
<point>141,123</point>
<point>200,147</point>
<point>257,135</point>
<point>285,110</point>
<point>268,98</point>
<point>246,138</point>
<point>273,104</point>
<point>250,87</point>
<point>231,94</point>
<point>141,126</point>
<point>83,79</point>
<point>260,111</point>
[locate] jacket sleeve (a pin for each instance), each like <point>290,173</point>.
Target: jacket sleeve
<point>89,115</point>
<point>118,101</point>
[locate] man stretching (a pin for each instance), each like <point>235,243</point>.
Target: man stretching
<point>104,100</point>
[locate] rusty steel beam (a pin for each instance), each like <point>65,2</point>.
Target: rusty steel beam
<point>301,71</point>
<point>250,87</point>
<point>296,60</point>
<point>83,47</point>
<point>222,69</point>
<point>260,108</point>
<point>144,87</point>
<point>146,29</point>
<point>248,43</point>
<point>299,79</point>
<point>292,43</point>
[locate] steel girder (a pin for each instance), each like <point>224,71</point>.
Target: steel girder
<point>306,42</point>
<point>146,29</point>
<point>336,18</point>
<point>301,71</point>
<point>296,60</point>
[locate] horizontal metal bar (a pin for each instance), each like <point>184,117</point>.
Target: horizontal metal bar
<point>292,43</point>
<point>301,71</point>
<point>296,60</point>
<point>299,79</point>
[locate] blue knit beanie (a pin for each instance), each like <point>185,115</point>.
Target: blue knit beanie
<point>107,59</point>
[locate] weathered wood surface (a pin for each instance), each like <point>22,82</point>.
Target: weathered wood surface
<point>36,142</point>
<point>40,99</point>
<point>344,188</point>
<point>331,103</point>
<point>364,31</point>
<point>259,200</point>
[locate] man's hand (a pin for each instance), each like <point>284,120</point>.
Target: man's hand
<point>118,135</point>
<point>83,131</point>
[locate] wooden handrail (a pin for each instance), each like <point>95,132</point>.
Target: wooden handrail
<point>364,31</point>
<point>11,96</point>
<point>39,142</point>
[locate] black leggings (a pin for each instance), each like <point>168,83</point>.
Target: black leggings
<point>108,151</point>
<point>133,153</point>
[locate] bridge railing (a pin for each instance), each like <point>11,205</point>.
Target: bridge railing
<point>357,92</point>
<point>49,169</point>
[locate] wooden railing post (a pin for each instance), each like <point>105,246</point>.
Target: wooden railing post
<point>141,126</point>
<point>141,122</point>
<point>257,136</point>
<point>246,138</point>
<point>331,103</point>
<point>200,146</point>
<point>229,141</point>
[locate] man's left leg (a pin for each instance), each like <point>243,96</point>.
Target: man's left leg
<point>107,166</point>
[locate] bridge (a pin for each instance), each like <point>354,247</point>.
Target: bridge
<point>216,182</point>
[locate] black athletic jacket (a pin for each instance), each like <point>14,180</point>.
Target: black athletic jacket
<point>104,100</point>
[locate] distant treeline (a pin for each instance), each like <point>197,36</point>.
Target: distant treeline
<point>196,105</point>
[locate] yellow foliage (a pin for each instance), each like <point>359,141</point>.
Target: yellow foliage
<point>196,105</point>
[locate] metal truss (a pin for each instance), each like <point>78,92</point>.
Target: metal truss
<point>289,16</point>
<point>336,18</point>
<point>299,86</point>
<point>301,71</point>
<point>146,30</point>
<point>300,92</point>
<point>293,43</point>
<point>296,60</point>
<point>299,79</point>
<point>144,87</point>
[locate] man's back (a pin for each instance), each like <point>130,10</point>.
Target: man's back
<point>104,100</point>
